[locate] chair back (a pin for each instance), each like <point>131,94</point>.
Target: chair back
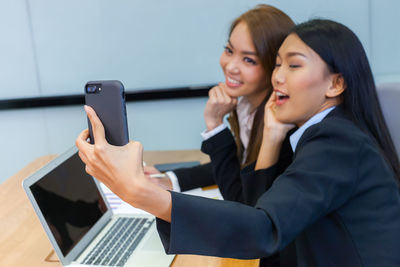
<point>389,97</point>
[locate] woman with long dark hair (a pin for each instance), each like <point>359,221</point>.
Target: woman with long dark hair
<point>338,200</point>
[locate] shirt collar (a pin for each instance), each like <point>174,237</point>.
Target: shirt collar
<point>245,115</point>
<point>243,107</point>
<point>295,137</point>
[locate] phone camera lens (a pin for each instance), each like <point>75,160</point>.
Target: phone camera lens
<point>91,88</point>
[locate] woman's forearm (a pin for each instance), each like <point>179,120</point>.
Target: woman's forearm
<point>269,153</point>
<point>153,199</point>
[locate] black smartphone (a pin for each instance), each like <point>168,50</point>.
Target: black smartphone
<point>107,98</point>
<point>175,165</point>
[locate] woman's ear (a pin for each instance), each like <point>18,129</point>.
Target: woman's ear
<point>337,87</point>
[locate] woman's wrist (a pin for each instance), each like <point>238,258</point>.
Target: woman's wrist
<point>161,204</point>
<point>152,198</point>
<point>213,123</point>
<point>269,151</point>
<point>273,136</point>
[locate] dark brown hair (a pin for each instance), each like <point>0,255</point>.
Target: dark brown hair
<point>343,53</point>
<point>268,27</point>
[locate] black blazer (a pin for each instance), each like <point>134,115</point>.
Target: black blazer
<point>193,177</point>
<point>338,200</point>
<point>224,170</point>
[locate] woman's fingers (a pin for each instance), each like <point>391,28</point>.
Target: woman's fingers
<point>137,149</point>
<point>120,168</point>
<point>83,157</point>
<point>218,105</point>
<point>228,99</point>
<point>83,136</point>
<point>225,97</point>
<point>231,100</point>
<point>273,128</point>
<point>218,94</point>
<point>97,126</point>
<point>150,170</point>
<point>211,93</point>
<point>271,99</point>
<point>81,141</point>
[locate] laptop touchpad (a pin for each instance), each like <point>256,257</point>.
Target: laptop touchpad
<point>153,243</point>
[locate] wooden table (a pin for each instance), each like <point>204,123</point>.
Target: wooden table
<point>23,241</point>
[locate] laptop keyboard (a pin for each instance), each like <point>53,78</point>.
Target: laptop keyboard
<point>120,241</point>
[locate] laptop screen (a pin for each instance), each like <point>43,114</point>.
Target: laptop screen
<point>69,201</point>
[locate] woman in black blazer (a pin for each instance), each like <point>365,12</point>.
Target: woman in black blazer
<point>259,32</point>
<point>339,198</point>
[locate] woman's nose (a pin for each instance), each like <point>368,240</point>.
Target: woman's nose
<point>277,76</point>
<point>232,66</point>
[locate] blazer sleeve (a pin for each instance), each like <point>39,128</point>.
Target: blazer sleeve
<point>255,183</point>
<point>225,164</point>
<point>321,178</point>
<point>227,173</point>
<point>193,177</point>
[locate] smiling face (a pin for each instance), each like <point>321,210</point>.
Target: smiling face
<point>244,74</point>
<point>302,83</point>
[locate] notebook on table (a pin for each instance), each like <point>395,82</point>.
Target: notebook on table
<point>80,223</point>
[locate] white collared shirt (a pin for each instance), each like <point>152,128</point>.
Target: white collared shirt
<point>246,115</point>
<point>295,137</point>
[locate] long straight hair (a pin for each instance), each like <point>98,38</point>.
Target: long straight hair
<point>344,54</point>
<point>268,27</point>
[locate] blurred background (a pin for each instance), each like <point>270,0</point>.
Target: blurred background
<point>52,48</point>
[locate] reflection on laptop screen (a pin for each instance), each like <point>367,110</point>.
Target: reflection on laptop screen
<point>70,202</point>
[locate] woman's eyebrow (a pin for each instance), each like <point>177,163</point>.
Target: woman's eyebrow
<point>251,53</point>
<point>230,44</point>
<point>293,54</point>
<point>244,52</point>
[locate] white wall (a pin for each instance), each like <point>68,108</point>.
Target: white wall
<point>385,40</point>
<point>159,125</point>
<point>54,47</point>
<point>18,72</point>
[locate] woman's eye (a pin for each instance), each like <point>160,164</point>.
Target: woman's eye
<point>277,65</point>
<point>250,60</point>
<point>293,66</point>
<point>228,50</point>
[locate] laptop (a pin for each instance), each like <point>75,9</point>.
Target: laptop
<point>80,223</point>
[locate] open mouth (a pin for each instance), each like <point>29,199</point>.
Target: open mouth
<point>281,97</point>
<point>233,83</point>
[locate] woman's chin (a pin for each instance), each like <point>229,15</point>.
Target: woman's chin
<point>233,92</point>
<point>283,119</point>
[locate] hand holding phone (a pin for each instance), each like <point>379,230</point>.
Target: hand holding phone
<point>107,98</point>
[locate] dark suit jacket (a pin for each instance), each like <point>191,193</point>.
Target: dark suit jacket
<point>338,200</point>
<point>193,177</point>
<point>224,170</point>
